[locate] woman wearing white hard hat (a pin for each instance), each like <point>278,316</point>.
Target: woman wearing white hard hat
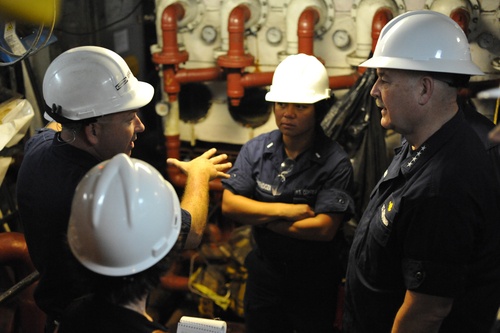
<point>124,227</point>
<point>292,185</point>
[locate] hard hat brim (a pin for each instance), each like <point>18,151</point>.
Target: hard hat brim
<point>298,98</point>
<point>489,93</point>
<point>430,65</point>
<point>143,95</point>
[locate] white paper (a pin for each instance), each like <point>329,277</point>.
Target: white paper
<point>15,124</point>
<point>200,325</point>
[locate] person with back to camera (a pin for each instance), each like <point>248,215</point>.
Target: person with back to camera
<point>124,227</point>
<point>292,185</point>
<point>425,255</point>
<point>94,96</point>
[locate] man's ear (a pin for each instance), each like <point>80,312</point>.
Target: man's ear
<point>426,86</point>
<point>91,133</point>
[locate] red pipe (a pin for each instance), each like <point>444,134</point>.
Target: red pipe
<point>173,147</point>
<point>233,63</point>
<point>236,56</point>
<point>462,18</point>
<point>236,59</point>
<point>380,19</point>
<point>170,84</point>
<point>13,250</point>
<point>173,77</point>
<point>305,30</point>
<point>259,79</point>
<point>170,54</point>
<point>198,74</point>
<point>343,81</point>
<point>175,282</point>
<point>20,312</point>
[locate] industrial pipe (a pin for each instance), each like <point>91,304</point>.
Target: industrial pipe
<point>13,250</point>
<point>232,64</point>
<point>343,81</point>
<point>235,61</point>
<point>170,56</point>
<point>173,281</point>
<point>305,30</point>
<point>170,53</point>
<point>462,18</point>
<point>380,19</point>
<point>460,11</point>
<point>364,18</point>
<point>296,9</point>
<point>14,253</point>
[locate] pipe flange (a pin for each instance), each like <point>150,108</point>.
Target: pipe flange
<point>447,6</point>
<point>258,9</point>
<point>241,61</point>
<point>326,18</point>
<point>400,4</point>
<point>193,16</point>
<point>362,13</point>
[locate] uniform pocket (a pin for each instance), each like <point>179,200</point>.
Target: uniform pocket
<point>384,224</point>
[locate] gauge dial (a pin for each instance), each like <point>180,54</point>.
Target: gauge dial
<point>162,108</point>
<point>274,35</point>
<point>208,34</point>
<point>341,39</point>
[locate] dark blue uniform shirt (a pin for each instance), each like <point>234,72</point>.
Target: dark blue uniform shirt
<point>48,176</point>
<point>432,226</point>
<point>321,178</point>
<point>293,281</point>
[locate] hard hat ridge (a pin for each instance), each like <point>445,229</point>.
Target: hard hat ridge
<point>124,218</point>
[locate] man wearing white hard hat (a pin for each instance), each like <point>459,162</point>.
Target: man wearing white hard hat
<point>293,186</point>
<point>425,255</point>
<point>93,95</point>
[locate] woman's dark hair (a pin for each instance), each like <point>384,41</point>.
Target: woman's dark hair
<point>321,108</point>
<point>122,290</point>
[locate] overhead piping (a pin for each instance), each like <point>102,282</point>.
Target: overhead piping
<point>235,61</point>
<point>381,17</point>
<point>462,17</point>
<point>305,30</point>
<point>232,65</point>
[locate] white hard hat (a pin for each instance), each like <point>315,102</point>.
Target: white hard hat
<point>92,81</point>
<point>300,78</point>
<point>423,40</point>
<point>125,217</point>
<point>489,93</point>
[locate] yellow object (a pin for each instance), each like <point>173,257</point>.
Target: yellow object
<point>195,284</point>
<point>32,11</point>
<point>495,116</point>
